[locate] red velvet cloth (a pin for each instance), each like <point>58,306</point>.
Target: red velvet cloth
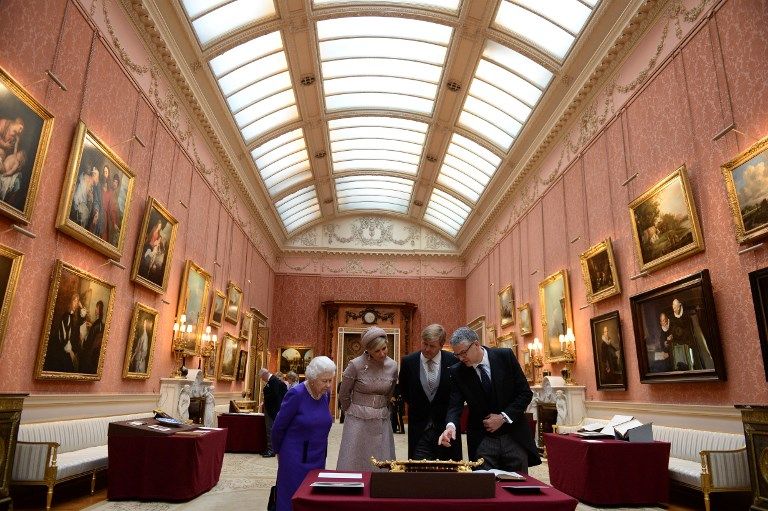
<point>173,467</point>
<point>549,500</point>
<point>608,472</point>
<point>245,433</point>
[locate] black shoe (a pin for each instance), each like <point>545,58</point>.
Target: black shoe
<point>267,454</point>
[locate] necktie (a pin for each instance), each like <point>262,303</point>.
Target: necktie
<point>485,380</point>
<point>431,375</point>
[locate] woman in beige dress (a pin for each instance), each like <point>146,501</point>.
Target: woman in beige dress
<point>366,387</point>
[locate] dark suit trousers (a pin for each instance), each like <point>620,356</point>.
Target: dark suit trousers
<point>502,452</point>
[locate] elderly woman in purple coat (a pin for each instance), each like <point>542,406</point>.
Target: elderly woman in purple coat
<point>300,431</point>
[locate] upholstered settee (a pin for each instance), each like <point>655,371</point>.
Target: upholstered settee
<point>708,461</point>
<point>48,453</point>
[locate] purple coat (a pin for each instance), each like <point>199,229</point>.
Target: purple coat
<point>300,438</point>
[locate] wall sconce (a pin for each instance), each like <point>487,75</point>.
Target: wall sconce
<point>568,345</point>
<point>534,348</point>
<point>181,332</point>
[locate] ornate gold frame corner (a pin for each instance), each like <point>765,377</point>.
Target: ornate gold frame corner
<point>615,289</point>
<point>17,259</point>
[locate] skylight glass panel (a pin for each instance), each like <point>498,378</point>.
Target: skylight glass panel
<point>212,19</point>
<point>255,82</point>
<point>446,212</point>
<point>298,208</point>
<point>447,5</point>
<point>283,162</point>
<point>467,167</point>
<point>371,62</point>
<point>385,193</point>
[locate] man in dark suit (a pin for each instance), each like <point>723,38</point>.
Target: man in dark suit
<point>494,387</point>
<point>425,386</point>
<point>274,392</point>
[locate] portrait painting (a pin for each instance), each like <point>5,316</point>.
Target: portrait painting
<point>141,343</point>
<point>555,302</point>
<point>230,349</point>
<point>96,199</point>
<point>665,225</point>
<point>758,281</point>
<point>746,182</point>
<point>242,362</point>
<point>477,325</point>
<point>676,332</point>
<point>10,269</point>
<point>507,341</point>
<point>218,300</point>
<point>295,358</point>
<point>25,130</point>
<point>507,306</point>
<point>598,269</point>
<point>193,302</point>
<point>524,319</point>
<point>608,352</point>
<point>246,324</point>
<point>76,326</point>
<point>154,249</point>
<point>234,300</point>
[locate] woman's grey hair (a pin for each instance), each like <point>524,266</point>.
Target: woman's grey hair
<point>463,334</point>
<point>319,365</point>
<point>434,332</point>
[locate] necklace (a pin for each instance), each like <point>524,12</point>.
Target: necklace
<point>311,391</point>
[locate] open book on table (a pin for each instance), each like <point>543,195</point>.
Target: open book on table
<point>502,475</point>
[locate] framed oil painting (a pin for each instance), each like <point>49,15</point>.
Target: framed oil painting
<point>246,325</point>
<point>527,364</point>
<point>76,326</point>
<point>242,362</point>
<point>193,302</point>
<point>209,365</point>
<point>676,332</point>
<point>230,348</point>
<point>25,130</point>
<point>608,352</point>
<point>747,191</point>
<point>154,250</point>
<point>218,300</point>
<point>478,326</point>
<point>555,301</point>
<point>96,200</point>
<point>665,225</point>
<point>295,358</point>
<point>507,341</point>
<point>234,300</point>
<point>141,343</point>
<point>758,281</point>
<point>598,269</point>
<point>524,319</point>
<point>10,269</point>
<point>507,306</point>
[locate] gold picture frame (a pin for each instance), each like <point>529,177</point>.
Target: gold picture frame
<point>28,126</point>
<point>230,350</point>
<point>508,341</point>
<point>71,314</point>
<point>154,248</point>
<point>140,349</point>
<point>95,218</point>
<point>193,302</point>
<point>524,319</point>
<point>234,301</point>
<point>556,318</point>
<point>478,326</point>
<point>10,269</point>
<point>598,269</point>
<point>745,196</point>
<point>665,224</point>
<point>218,301</point>
<point>507,306</point>
<point>294,358</point>
<point>246,325</point>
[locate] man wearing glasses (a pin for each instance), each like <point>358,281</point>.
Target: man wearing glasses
<point>496,391</point>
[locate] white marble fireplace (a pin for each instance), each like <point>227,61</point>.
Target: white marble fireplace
<point>568,399</point>
<point>175,395</point>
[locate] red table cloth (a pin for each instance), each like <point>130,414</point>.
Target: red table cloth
<point>245,432</point>
<point>172,467</point>
<point>549,500</point>
<point>608,472</point>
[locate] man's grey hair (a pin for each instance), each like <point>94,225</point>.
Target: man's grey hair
<point>434,332</point>
<point>463,334</point>
<point>318,366</point>
<point>263,371</point>
<point>292,376</point>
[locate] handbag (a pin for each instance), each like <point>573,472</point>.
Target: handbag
<point>272,503</point>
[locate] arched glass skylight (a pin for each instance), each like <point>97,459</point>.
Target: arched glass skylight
<point>254,79</point>
<point>381,63</point>
<point>446,212</point>
<point>376,144</point>
<point>298,208</point>
<point>551,25</point>
<point>283,162</point>
<point>212,19</point>
<point>467,167</point>
<point>447,5</point>
<point>383,193</point>
<point>502,94</point>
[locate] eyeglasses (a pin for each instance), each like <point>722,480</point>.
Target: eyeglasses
<point>463,353</point>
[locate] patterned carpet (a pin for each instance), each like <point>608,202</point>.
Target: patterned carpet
<point>246,479</point>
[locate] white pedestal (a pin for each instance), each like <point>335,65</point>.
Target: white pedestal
<point>171,394</point>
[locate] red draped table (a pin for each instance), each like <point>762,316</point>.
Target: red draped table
<point>608,472</point>
<point>245,432</point>
<point>171,467</point>
<point>549,500</point>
